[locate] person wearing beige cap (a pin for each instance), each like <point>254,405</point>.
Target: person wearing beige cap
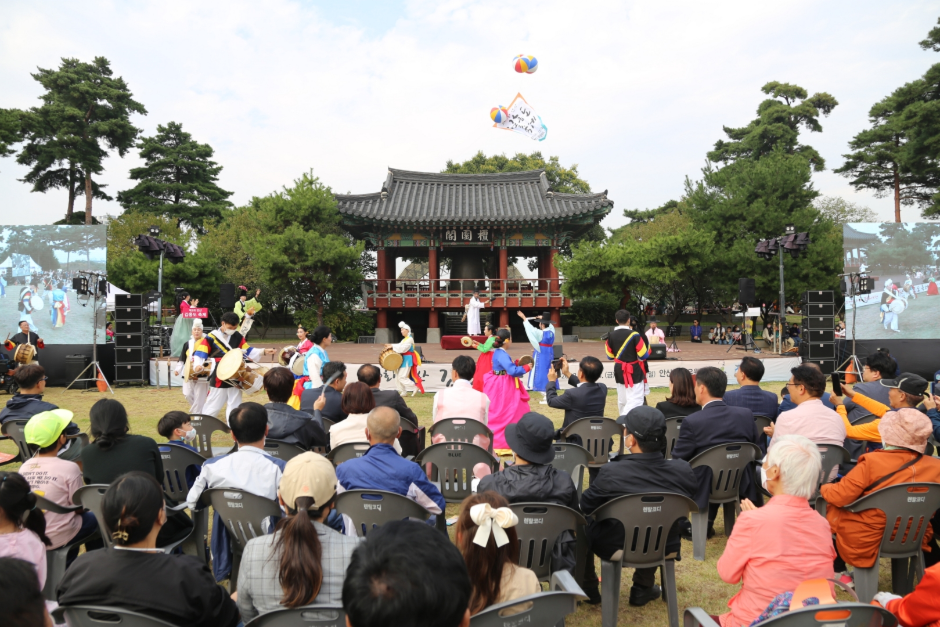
<point>858,536</point>
<point>304,561</point>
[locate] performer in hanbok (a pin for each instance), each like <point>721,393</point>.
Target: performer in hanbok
<point>305,343</point>
<point>629,351</point>
<point>509,400</point>
<point>932,287</point>
<point>220,342</point>
<point>196,390</point>
<point>315,358</point>
<point>410,360</point>
<point>242,305</point>
<point>542,341</point>
<point>473,313</point>
<point>60,306</point>
<point>25,336</point>
<point>183,327</point>
<point>25,306</point>
<point>485,362</point>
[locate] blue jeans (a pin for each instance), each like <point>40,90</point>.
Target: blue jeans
<point>88,529</point>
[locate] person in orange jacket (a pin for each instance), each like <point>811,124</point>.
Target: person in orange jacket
<point>919,608</point>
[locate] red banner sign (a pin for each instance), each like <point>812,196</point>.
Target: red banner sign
<point>197,312</point>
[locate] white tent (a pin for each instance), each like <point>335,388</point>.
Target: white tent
<point>113,290</point>
<point>33,266</point>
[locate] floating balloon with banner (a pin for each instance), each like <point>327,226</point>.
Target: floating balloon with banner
<point>499,114</point>
<point>523,119</point>
<point>525,64</point>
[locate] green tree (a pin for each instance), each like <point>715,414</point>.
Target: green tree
<point>85,113</point>
<point>10,130</point>
<point>842,211</point>
<point>902,250</point>
<point>179,179</point>
<point>647,215</point>
<point>780,119</point>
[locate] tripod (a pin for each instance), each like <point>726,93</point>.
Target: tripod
<point>97,372</point>
<point>673,332</point>
<point>746,336</point>
<point>853,360</point>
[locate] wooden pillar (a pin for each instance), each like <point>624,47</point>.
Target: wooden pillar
<point>381,285</point>
<point>503,276</point>
<point>554,285</point>
<point>433,268</point>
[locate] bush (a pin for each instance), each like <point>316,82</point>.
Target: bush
<point>347,324</point>
<point>593,312</point>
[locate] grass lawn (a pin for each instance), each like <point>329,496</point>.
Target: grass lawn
<point>697,582</point>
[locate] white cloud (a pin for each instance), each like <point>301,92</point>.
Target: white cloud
<point>635,93</point>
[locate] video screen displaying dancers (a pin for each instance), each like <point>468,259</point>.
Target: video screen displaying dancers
<point>902,260</point>
<point>37,265</point>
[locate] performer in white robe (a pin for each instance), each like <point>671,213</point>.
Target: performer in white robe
<point>473,314</point>
<point>195,391</point>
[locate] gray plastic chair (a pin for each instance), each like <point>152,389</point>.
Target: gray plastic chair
<point>595,433</point>
<point>283,450</point>
<point>539,526</point>
<point>461,430</point>
<point>452,467</point>
<point>97,615</point>
<point>368,513</point>
<point>313,615</point>
<point>14,430</point>
<point>537,610</point>
<point>859,615</point>
<point>673,426</point>
<point>762,421</point>
<point>728,462</point>
<point>176,460</point>
<point>245,516</point>
<point>327,424</point>
<point>574,460</point>
<point>832,455</point>
<point>55,558</point>
<point>864,419</point>
<point>647,519</point>
<point>909,508</point>
<point>347,451</point>
<point>205,426</point>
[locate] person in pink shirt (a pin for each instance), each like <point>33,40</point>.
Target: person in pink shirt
<point>810,418</point>
<point>22,527</point>
<point>763,552</point>
<point>461,400</point>
<point>654,334</point>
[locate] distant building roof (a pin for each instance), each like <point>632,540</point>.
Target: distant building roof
<point>505,198</point>
<point>852,238</point>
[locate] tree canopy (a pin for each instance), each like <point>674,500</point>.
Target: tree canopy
<point>560,178</point>
<point>10,132</point>
<point>842,211</point>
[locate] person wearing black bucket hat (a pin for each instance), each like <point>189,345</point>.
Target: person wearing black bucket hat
<point>644,470</point>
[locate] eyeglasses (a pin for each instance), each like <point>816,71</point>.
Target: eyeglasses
<point>45,378</point>
<point>794,384</point>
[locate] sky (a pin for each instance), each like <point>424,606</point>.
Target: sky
<point>634,93</point>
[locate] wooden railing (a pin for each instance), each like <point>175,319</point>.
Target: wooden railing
<point>453,293</point>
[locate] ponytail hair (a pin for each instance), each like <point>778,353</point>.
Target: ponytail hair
<point>501,336</point>
<point>131,506</point>
<point>300,569</point>
<point>19,505</point>
<point>109,423</point>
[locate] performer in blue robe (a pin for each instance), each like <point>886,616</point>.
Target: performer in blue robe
<point>542,341</point>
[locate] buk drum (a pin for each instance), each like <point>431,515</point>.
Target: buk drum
<point>390,360</point>
<point>24,354</point>
<point>36,303</point>
<point>234,370</point>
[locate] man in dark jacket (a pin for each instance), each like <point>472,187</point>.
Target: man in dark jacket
<point>334,393</point>
<point>284,422</point>
<point>28,402</point>
<point>586,398</point>
<point>644,470</point>
<point>715,424</point>
<point>412,438</point>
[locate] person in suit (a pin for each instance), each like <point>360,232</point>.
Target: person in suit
<point>412,438</point>
<point>586,398</point>
<point>716,423</point>
<point>749,395</point>
<point>333,410</point>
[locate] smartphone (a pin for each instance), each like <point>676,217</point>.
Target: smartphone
<point>556,364</point>
<point>836,384</point>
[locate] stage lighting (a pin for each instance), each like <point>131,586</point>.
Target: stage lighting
<point>154,231</point>
<point>174,253</point>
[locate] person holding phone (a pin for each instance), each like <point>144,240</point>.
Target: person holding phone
<point>586,397</point>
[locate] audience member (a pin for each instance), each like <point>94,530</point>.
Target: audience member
<point>333,393</point>
<point>382,468</point>
<point>412,437</point>
<point>27,402</point>
<point>586,397</point>
<point>920,607</point>
<point>22,525</point>
<point>907,390</point>
<point>877,366</point>
<point>695,332</point>
<point>177,427</point>
<point>407,574</point>
<point>749,395</point>
<point>715,424</point>
<point>762,552</point>
<point>644,470</point>
<point>20,596</point>
<point>811,419</point>
<point>786,404</point>
<point>858,535</point>
<point>681,399</point>
<point>357,403</point>
<point>134,575</point>
<point>461,400</point>
<point>284,422</point>
<point>57,480</point>
<point>304,561</point>
<point>113,451</point>
<point>490,548</point>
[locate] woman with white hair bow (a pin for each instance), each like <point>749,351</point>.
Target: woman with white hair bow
<point>408,371</point>
<point>490,547</point>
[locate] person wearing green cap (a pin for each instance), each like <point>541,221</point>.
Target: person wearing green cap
<point>57,479</point>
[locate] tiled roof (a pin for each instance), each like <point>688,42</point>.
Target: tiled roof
<point>505,197</point>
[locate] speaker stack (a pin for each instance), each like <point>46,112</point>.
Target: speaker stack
<point>818,329</point>
<point>131,352</point>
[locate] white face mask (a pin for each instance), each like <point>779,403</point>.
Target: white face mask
<point>227,332</point>
<point>189,436</point>
<point>763,478</point>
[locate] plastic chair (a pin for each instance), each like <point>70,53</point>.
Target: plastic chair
<point>55,558</point>
<point>327,423</point>
<point>313,615</point>
<point>244,515</point>
<point>842,614</point>
<point>91,496</point>
<point>762,421</point>
<point>864,419</point>
<point>283,450</point>
<point>573,459</point>
<point>542,608</point>
<point>96,616</point>
<point>347,451</point>
<point>673,426</point>
<point>176,461</point>
<point>205,426</point>
<point>647,519</point>
<point>595,434</point>
<point>832,455</point>
<point>727,462</point>
<point>539,526</point>
<point>14,430</point>
<point>452,467</point>
<point>909,508</point>
<point>461,430</point>
<point>368,513</point>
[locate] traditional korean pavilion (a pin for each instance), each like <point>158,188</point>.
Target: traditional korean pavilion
<point>476,223</point>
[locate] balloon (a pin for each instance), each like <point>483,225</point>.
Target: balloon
<point>525,64</point>
<point>499,114</point>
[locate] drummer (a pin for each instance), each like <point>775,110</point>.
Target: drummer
<point>410,360</point>
<point>25,336</point>
<point>196,391</point>
<point>220,342</point>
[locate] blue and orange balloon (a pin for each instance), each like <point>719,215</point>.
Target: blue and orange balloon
<point>525,64</point>
<point>499,114</point>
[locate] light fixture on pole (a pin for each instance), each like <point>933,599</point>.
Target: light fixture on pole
<point>154,248</point>
<point>794,243</point>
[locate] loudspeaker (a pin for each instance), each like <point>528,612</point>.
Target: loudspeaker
<point>820,296</point>
<point>657,351</point>
<point>819,335</point>
<point>129,340</point>
<point>128,300</point>
<point>130,313</point>
<point>130,372</point>
<point>227,296</point>
<point>746,291</point>
<point>819,309</point>
<point>103,287</point>
<point>818,322</point>
<point>129,326</point>
<point>828,366</point>
<point>816,350</point>
<point>131,355</point>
